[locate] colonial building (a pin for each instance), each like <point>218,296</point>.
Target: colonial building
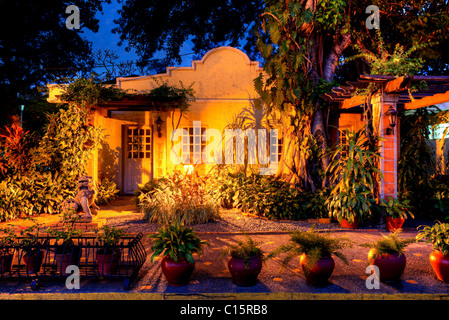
<point>138,133</point>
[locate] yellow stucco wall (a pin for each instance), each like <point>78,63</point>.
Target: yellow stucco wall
<point>223,85</point>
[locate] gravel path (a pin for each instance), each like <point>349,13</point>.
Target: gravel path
<point>231,221</point>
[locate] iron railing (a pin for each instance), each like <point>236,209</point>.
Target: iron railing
<point>49,259</point>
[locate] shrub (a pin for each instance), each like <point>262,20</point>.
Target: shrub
<point>352,172</point>
<point>106,192</point>
<point>180,198</point>
<point>262,195</point>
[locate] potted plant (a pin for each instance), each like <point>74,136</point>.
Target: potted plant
<point>176,244</point>
<point>66,252</point>
<point>108,257</point>
<point>387,253</point>
<point>245,262</point>
<point>396,211</point>
<point>315,252</point>
<point>7,250</point>
<point>32,254</point>
<point>438,235</point>
<point>352,172</point>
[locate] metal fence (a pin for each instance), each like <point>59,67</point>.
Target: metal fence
<point>48,260</point>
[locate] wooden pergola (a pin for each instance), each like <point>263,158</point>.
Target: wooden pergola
<point>394,93</point>
<point>437,91</point>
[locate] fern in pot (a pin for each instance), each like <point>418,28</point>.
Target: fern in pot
<point>387,253</point>
<point>315,251</point>
<point>245,262</point>
<point>176,244</point>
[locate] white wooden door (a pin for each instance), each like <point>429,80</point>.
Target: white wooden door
<point>138,160</point>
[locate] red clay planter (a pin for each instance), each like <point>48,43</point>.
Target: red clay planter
<point>34,261</point>
<point>245,274</point>
<point>321,271</point>
<point>391,265</point>
<point>107,262</point>
<point>177,273</point>
<point>440,264</point>
<point>345,224</point>
<point>392,224</point>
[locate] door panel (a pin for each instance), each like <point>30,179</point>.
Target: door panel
<point>138,145</point>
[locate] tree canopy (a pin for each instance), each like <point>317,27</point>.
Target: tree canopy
<point>153,26</point>
<point>36,47</point>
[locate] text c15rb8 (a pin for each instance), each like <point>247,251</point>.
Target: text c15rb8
<point>245,309</point>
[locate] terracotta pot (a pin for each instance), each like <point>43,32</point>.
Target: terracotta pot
<point>245,275</point>
<point>33,262</point>
<point>177,273</point>
<point>345,223</point>
<point>6,261</point>
<point>440,264</point>
<point>394,224</point>
<point>391,265</point>
<point>107,262</point>
<point>71,256</point>
<point>321,271</point>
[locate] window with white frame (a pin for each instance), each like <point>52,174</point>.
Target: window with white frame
<point>193,144</point>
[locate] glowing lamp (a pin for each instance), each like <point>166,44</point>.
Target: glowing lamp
<point>159,123</point>
<point>392,115</point>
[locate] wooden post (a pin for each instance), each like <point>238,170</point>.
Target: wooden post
<point>389,148</point>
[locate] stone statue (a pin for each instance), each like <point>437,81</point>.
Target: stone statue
<point>84,200</point>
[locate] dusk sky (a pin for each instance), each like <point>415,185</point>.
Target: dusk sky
<point>105,39</point>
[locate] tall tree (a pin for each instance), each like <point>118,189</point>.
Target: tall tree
<point>165,26</point>
<point>36,46</point>
<point>303,43</point>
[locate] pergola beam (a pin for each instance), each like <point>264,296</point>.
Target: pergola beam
<point>427,101</point>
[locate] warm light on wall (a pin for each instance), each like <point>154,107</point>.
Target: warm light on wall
<point>188,169</point>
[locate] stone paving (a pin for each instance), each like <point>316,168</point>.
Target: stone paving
<point>212,280</point>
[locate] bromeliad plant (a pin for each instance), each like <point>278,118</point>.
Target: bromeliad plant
<point>352,172</point>
<point>397,208</point>
<point>67,233</point>
<point>438,235</point>
<point>9,239</point>
<point>177,242</point>
<point>31,240</point>
<point>109,237</point>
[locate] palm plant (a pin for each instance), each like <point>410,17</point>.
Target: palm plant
<point>352,173</point>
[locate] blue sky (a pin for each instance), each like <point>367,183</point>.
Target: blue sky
<point>105,39</point>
